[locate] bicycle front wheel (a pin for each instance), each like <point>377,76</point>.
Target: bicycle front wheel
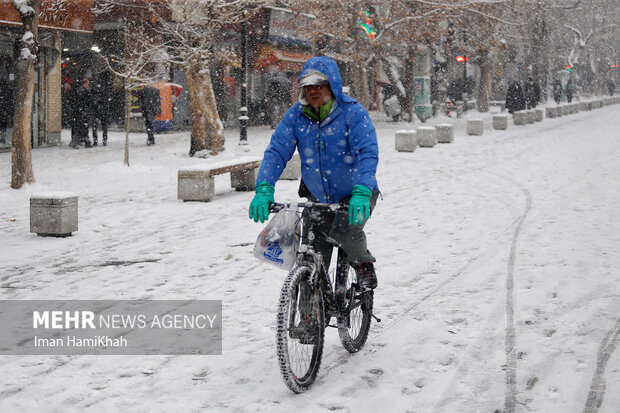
<point>354,323</point>
<point>300,330</point>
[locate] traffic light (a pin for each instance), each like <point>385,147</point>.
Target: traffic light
<point>462,59</point>
<point>569,68</point>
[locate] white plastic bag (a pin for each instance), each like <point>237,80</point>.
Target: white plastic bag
<point>278,242</point>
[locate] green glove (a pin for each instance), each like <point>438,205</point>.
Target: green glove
<point>359,205</point>
<point>259,208</point>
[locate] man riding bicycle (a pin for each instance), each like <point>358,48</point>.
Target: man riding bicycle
<point>337,144</point>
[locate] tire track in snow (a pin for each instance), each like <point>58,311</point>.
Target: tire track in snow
<point>483,256</point>
<point>598,385</point>
<point>510,395</point>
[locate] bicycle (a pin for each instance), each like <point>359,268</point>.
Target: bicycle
<point>309,299</point>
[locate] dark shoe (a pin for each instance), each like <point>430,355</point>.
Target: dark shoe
<point>306,330</point>
<point>366,277</point>
<point>95,143</point>
<point>105,142</point>
<point>87,144</point>
<point>74,145</point>
<point>150,142</point>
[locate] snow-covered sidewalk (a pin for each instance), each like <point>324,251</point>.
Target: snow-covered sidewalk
<point>498,268</point>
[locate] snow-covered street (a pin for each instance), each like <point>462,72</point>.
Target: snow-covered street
<point>498,267</point>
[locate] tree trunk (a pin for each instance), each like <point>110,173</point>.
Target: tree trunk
<point>361,83</point>
<point>484,85</point>
<point>21,162</point>
<point>207,131</point>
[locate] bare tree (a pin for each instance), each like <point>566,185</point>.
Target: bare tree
<point>21,162</point>
<point>136,63</point>
<point>190,37</point>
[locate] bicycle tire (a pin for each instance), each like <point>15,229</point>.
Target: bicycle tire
<point>299,349</point>
<point>354,325</point>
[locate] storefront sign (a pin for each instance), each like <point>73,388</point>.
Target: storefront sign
<point>69,15</point>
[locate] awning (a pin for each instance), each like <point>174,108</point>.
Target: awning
<point>270,59</point>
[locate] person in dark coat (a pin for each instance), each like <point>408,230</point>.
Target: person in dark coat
<point>278,98</point>
<point>532,93</point>
<point>515,100</point>
<point>569,90</point>
<point>557,91</point>
<point>455,90</point>
<point>82,112</point>
<point>150,105</point>
<point>101,102</point>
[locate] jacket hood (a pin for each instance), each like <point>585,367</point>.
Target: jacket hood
<point>329,68</point>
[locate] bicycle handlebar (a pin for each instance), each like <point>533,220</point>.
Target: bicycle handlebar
<point>337,206</point>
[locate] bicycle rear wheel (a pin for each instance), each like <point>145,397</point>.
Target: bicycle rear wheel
<point>354,323</point>
<point>300,330</point>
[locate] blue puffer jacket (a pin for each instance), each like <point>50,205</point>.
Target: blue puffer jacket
<point>336,154</point>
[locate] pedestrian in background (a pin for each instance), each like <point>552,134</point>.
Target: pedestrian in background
<point>101,103</point>
<point>532,93</point>
<point>515,100</point>
<point>557,91</point>
<point>150,106</point>
<point>569,91</point>
<point>82,112</point>
<point>278,98</point>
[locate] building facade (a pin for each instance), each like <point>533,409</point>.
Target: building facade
<point>56,22</point>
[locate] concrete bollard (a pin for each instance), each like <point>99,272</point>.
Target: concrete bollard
<point>427,136</point>
<point>500,122</point>
<point>550,112</point>
<point>539,114</point>
<point>292,172</point>
<point>566,110</point>
<point>445,132</point>
<point>54,214</point>
<point>531,116</point>
<point>519,118</point>
<point>405,140</point>
<point>475,126</point>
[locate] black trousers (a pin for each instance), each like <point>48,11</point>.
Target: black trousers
<point>148,125</point>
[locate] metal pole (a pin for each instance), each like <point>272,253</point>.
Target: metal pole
<point>243,111</point>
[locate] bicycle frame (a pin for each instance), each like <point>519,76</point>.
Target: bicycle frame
<point>309,256</point>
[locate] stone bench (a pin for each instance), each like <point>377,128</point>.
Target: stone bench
<point>500,122</point>
<point>197,183</point>
<point>54,214</point>
<point>427,136</point>
<point>445,132</point>
<point>405,140</point>
<point>292,171</point>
